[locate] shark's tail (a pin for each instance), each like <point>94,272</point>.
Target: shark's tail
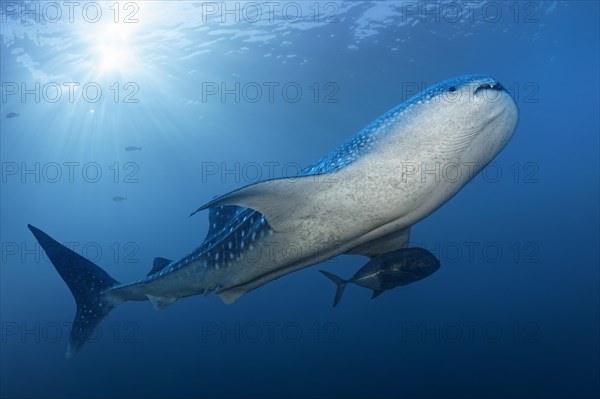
<point>86,281</point>
<point>340,285</point>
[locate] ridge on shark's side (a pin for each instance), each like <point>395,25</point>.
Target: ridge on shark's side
<point>360,199</point>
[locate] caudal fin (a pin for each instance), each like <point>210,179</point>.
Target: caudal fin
<point>340,285</point>
<point>87,283</point>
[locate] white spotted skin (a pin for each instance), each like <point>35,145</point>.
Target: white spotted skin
<point>374,187</point>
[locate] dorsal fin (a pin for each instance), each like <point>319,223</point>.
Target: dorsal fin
<point>158,265</point>
<point>219,217</point>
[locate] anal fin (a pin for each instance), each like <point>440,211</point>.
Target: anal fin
<point>231,295</point>
<point>161,302</point>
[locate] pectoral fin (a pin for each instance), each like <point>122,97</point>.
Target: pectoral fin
<point>391,242</point>
<point>284,202</point>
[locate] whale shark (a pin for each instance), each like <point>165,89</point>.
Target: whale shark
<point>361,199</point>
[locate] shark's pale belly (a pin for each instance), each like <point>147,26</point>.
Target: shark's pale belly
<point>248,253</point>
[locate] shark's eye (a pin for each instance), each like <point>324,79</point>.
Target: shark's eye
<point>452,89</point>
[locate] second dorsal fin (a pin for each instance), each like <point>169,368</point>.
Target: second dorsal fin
<point>158,265</point>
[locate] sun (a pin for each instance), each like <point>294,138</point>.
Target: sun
<point>112,47</point>
<point>111,58</point>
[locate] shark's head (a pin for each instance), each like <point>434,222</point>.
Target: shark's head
<point>471,117</point>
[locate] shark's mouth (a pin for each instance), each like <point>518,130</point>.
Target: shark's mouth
<point>489,86</point>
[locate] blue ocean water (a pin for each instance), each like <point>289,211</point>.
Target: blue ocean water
<point>220,95</point>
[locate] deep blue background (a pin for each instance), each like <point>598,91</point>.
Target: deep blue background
<point>521,323</point>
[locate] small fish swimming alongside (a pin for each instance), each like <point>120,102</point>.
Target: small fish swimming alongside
<point>118,198</point>
<point>11,115</point>
<point>132,148</point>
<point>362,198</point>
<point>388,271</point>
